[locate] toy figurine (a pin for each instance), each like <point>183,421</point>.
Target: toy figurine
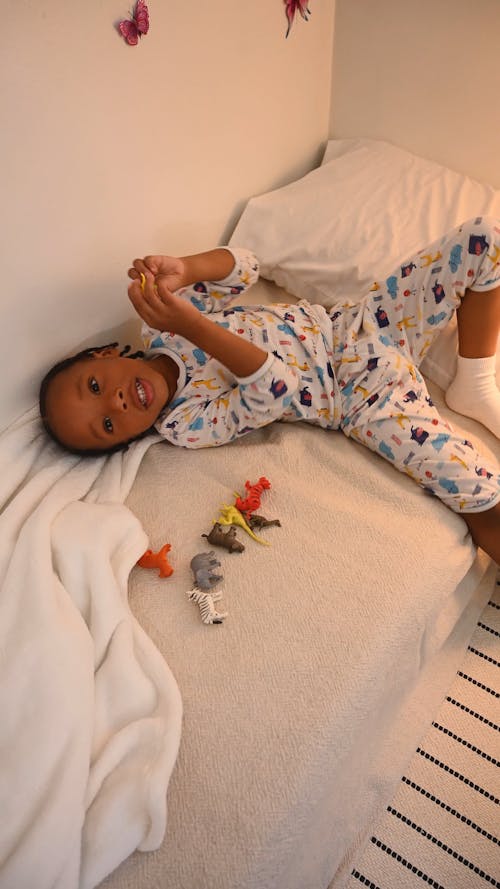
<point>258,521</point>
<point>252,500</point>
<point>202,566</point>
<point>157,560</point>
<point>205,602</point>
<point>230,515</point>
<point>227,539</point>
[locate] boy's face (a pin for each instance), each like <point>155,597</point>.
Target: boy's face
<point>105,400</point>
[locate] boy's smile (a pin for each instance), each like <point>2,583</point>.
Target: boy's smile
<point>105,400</point>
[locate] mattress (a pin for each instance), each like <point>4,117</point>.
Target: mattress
<point>342,635</point>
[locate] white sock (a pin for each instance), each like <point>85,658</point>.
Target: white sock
<point>474,392</point>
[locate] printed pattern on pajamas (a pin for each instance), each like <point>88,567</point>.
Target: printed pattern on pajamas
<point>378,347</point>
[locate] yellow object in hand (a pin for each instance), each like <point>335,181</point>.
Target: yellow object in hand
<point>143,281</point>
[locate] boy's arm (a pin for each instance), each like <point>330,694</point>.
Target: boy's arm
<point>193,420</point>
<point>166,311</point>
<point>238,354</point>
<point>214,265</point>
<point>181,271</point>
<point>209,280</point>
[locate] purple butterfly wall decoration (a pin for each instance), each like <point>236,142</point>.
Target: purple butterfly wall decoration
<point>133,29</point>
<point>293,6</point>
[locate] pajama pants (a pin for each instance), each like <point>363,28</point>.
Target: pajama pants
<point>378,347</point>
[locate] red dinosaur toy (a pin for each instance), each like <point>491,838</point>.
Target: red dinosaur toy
<point>252,501</point>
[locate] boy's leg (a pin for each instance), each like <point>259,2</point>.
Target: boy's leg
<point>485,530</point>
<point>388,409</point>
<point>474,392</point>
<point>460,271</point>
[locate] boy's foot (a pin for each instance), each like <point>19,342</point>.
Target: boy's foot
<point>474,392</point>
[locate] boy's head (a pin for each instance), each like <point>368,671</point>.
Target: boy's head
<point>98,401</point>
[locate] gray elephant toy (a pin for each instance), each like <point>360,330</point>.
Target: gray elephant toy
<point>202,566</point>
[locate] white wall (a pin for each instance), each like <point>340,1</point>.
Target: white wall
<point>111,151</point>
<point>424,75</point>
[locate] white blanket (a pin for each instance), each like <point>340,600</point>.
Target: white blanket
<point>91,714</point>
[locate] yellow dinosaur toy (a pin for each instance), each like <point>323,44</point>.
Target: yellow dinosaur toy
<point>229,515</point>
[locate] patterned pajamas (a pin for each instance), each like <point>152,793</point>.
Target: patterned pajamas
<point>354,367</point>
<point>378,347</point>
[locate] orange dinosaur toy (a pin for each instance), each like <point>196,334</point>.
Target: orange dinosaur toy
<point>157,560</point>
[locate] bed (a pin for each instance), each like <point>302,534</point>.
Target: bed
<point>343,629</point>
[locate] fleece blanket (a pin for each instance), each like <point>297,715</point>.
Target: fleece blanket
<point>91,713</point>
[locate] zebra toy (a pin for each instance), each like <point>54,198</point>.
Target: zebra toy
<point>205,602</point>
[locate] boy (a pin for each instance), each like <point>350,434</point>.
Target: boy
<point>353,367</point>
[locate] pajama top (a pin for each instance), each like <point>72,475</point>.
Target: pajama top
<point>296,382</point>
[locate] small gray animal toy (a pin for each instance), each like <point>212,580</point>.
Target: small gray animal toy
<point>227,539</point>
<point>202,566</point>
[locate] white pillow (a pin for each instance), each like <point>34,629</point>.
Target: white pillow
<point>370,205</point>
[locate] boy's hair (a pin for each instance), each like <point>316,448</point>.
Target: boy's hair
<point>42,400</point>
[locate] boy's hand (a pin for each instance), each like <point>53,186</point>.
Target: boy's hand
<point>171,268</point>
<point>158,306</point>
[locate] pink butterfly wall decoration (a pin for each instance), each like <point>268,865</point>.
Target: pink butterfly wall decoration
<point>134,28</point>
<point>293,6</point>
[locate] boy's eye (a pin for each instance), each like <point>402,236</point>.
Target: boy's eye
<point>94,385</point>
<point>108,426</point>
